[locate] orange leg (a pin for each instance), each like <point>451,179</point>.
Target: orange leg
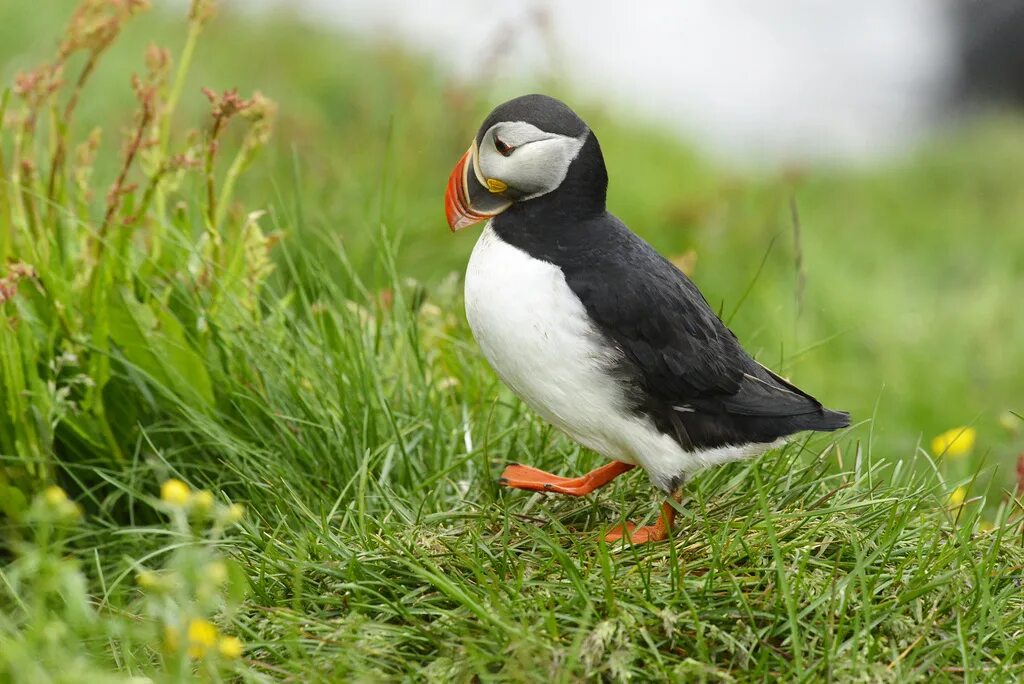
<point>524,477</point>
<point>647,533</point>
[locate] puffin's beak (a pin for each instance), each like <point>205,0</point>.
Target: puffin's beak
<point>469,199</point>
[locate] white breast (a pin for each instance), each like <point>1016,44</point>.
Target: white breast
<point>537,336</point>
<point>535,333</point>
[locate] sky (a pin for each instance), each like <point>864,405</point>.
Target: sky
<point>801,81</point>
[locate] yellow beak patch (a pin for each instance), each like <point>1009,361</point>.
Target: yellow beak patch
<point>496,186</point>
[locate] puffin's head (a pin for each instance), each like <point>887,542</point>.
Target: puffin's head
<point>527,148</point>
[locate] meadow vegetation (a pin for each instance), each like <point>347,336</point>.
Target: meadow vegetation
<point>246,435</point>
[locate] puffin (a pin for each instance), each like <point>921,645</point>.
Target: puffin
<point>593,329</point>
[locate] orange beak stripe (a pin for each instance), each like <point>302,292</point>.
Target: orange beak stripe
<point>458,207</point>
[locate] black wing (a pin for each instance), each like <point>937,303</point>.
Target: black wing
<point>694,377</point>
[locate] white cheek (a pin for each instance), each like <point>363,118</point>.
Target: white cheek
<point>491,163</point>
<point>541,166</point>
<point>534,169</point>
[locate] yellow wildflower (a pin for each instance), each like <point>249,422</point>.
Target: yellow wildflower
<point>55,496</point>
<point>171,641</point>
<point>957,496</point>
<point>57,500</point>
<point>147,579</point>
<point>955,442</point>
<point>174,492</point>
<point>230,647</point>
<point>235,513</point>
<point>1010,422</point>
<point>217,572</point>
<point>202,501</point>
<point>202,635</point>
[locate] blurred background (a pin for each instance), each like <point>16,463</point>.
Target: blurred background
<point>842,179</point>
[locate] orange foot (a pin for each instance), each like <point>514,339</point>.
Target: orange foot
<point>647,533</point>
<point>524,477</point>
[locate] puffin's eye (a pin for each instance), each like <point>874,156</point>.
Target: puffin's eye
<point>503,149</point>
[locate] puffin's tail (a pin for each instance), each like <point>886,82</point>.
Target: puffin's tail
<point>825,420</point>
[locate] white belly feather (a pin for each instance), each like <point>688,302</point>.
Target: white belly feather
<point>534,332</point>
<point>536,335</point>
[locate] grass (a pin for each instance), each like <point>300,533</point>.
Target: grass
<point>327,381</point>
